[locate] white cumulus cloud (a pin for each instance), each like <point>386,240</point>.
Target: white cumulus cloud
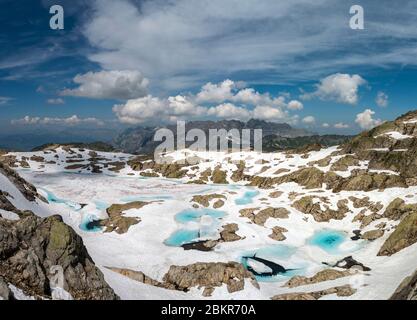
<point>309,120</point>
<point>366,121</point>
<point>216,92</point>
<point>115,84</point>
<point>140,110</point>
<point>224,100</point>
<point>269,113</point>
<point>338,87</point>
<point>295,105</point>
<point>183,106</point>
<point>229,111</point>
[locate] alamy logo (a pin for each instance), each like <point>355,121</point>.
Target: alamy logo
<point>56,279</point>
<point>218,140</point>
<point>357,21</point>
<point>57,20</point>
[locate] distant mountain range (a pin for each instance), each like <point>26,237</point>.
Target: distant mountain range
<point>140,139</point>
<point>30,139</point>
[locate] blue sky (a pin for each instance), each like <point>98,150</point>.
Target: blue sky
<point>125,62</point>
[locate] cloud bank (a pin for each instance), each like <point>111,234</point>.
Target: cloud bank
<point>224,100</point>
<point>183,42</point>
<point>69,121</point>
<point>115,84</point>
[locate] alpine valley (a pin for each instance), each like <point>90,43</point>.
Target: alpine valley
<point>320,221</point>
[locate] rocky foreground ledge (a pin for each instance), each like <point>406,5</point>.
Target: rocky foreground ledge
<point>31,247</point>
<point>407,289</point>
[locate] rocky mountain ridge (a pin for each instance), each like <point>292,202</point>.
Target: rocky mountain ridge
<point>139,140</point>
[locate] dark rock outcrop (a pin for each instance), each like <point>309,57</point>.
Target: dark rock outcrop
<point>219,176</point>
<point>117,209</point>
<point>307,205</point>
<point>5,292</point>
<point>404,235</point>
<point>407,290</point>
<point>205,200</point>
<point>278,233</point>
<point>31,246</point>
<point>27,189</point>
<point>232,274</point>
<point>169,170</point>
<point>365,146</point>
<point>262,216</point>
<point>321,276</point>
<point>398,209</point>
<point>373,234</point>
<point>228,234</point>
<point>342,291</point>
<point>198,275</point>
<point>116,221</point>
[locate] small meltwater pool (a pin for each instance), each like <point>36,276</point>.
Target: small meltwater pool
<point>272,263</point>
<point>182,236</point>
<point>201,223</point>
<point>247,198</point>
<point>54,199</point>
<point>329,240</point>
<point>90,223</point>
<point>194,215</point>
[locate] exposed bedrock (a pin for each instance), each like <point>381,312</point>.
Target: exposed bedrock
<point>404,235</point>
<point>198,275</point>
<point>407,290</point>
<point>5,292</point>
<point>321,276</point>
<point>260,217</point>
<point>278,233</point>
<point>308,205</point>
<point>117,222</point>
<point>368,146</point>
<point>31,247</point>
<point>398,209</point>
<point>228,234</point>
<point>26,188</point>
<point>205,200</point>
<point>313,178</point>
<point>341,291</point>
